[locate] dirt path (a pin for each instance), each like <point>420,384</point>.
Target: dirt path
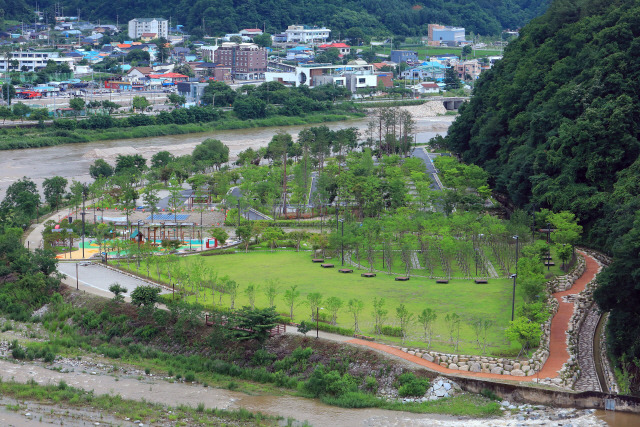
<point>558,353</point>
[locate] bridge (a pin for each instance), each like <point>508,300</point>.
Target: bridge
<point>454,103</point>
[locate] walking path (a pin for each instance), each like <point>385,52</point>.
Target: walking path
<point>558,353</point>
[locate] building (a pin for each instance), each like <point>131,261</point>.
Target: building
<point>400,56</point>
<point>306,34</point>
<point>343,48</point>
<point>139,73</point>
<point>248,61</point>
<point>251,32</point>
<point>442,35</point>
<point>32,61</point>
<point>428,70</point>
<point>469,70</point>
<point>193,92</point>
<point>140,26</point>
<point>355,75</point>
<point>424,88</point>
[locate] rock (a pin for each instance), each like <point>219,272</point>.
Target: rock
<point>505,403</point>
<point>496,370</point>
<point>516,366</point>
<point>443,364</point>
<point>428,357</point>
<point>418,354</point>
<point>453,366</point>
<point>507,367</point>
<point>440,392</point>
<point>517,373</point>
<point>475,367</point>
<point>463,368</point>
<point>413,353</point>
<point>525,368</point>
<point>446,386</point>
<point>404,349</point>
<point>455,359</point>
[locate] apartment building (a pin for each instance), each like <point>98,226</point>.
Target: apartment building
<point>140,26</point>
<point>31,61</point>
<point>306,34</point>
<point>248,61</point>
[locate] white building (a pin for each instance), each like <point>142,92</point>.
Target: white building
<point>139,26</point>
<point>355,75</point>
<point>32,61</point>
<point>306,34</point>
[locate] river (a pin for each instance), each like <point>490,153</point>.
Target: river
<point>72,161</point>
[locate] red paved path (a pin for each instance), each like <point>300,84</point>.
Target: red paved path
<point>558,353</point>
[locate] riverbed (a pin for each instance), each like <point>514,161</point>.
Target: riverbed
<point>72,161</point>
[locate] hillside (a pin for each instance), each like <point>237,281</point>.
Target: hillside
<point>556,124</point>
<point>373,16</point>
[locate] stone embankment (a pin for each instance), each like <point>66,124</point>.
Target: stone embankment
<point>428,109</point>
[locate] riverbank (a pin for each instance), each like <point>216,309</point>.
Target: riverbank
<point>21,138</point>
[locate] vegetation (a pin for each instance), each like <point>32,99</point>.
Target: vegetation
<point>569,141</point>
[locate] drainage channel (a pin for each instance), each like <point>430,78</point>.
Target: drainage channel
<point>597,355</point>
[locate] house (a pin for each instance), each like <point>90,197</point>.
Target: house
<point>355,75</point>
<point>428,87</point>
<point>307,34</point>
<point>251,32</point>
<point>147,37</point>
<point>428,70</point>
<point>385,79</point>
<point>469,70</point>
<point>139,73</point>
<point>440,35</point>
<point>248,61</point>
<point>400,56</point>
<point>169,79</point>
<point>343,48</point>
<point>300,53</point>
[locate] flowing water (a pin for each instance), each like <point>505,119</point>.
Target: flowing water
<point>72,161</point>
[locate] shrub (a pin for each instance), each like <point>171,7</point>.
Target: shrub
<point>391,331</point>
<point>189,377</point>
<point>409,385</point>
<point>262,357</point>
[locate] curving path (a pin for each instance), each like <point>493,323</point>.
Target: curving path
<point>558,353</point>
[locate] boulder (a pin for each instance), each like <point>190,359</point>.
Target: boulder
<point>453,366</point>
<point>496,370</point>
<point>516,365</point>
<point>428,357</point>
<point>517,373</point>
<point>475,367</point>
<point>463,368</point>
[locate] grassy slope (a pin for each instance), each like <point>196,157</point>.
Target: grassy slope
<point>463,297</point>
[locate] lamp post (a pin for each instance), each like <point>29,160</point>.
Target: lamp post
<point>138,234</point>
<point>549,246</point>
<point>513,299</point>
<point>318,321</point>
<point>342,241</point>
<point>516,239</point>
<point>84,197</point>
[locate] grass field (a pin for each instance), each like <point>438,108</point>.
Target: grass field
<point>464,297</point>
<point>424,51</point>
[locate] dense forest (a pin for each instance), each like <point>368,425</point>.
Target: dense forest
<point>556,124</point>
<point>401,17</point>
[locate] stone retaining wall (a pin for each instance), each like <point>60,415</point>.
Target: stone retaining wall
<point>501,365</point>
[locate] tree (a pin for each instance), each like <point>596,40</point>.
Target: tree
<point>249,107</point>
<point>304,327</point>
<point>131,164</point>
<point>314,299</point>
<point>354,307</point>
<point>21,196</point>
<point>451,79</point>
<point>263,40</point>
<point>110,106</point>
<point>290,297</point>
<point>426,320</point>
<point>245,233</point>
<point>452,320</point>
<point>77,104</point>
<point>176,100</point>
<point>100,169</point>
<point>271,290</point>
<point>566,228</point>
<point>564,252</point>
<point>145,296</point>
<point>467,50</point>
<point>254,324</point>
<point>219,234</point>
<point>379,313</point>
<point>405,318</point>
<point>333,304</point>
<point>220,94</point>
<point>151,198</point>
<point>8,92</point>
<point>54,189</point>
<point>250,292</point>
<point>140,103</point>
<point>525,332</point>
<point>137,55</point>
<point>211,152</point>
<point>117,290</point>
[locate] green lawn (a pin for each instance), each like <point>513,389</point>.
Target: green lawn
<point>463,297</point>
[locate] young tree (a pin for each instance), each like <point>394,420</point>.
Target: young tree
<point>379,313</point>
<point>271,291</point>
<point>245,233</point>
<point>405,318</point>
<point>314,300</point>
<point>525,332</point>
<point>333,304</point>
<point>452,320</point>
<point>250,292</point>
<point>231,286</point>
<point>151,198</point>
<point>77,105</point>
<point>290,297</point>
<point>140,103</point>
<point>219,234</point>
<point>100,169</point>
<point>255,323</point>
<point>564,252</point>
<point>426,320</point>
<point>355,307</point>
<point>118,291</point>
<point>145,296</point>
<point>54,189</point>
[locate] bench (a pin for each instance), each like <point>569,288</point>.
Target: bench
<point>402,279</point>
<point>368,275</point>
<point>549,263</point>
<point>326,265</point>
<point>442,281</point>
<point>317,260</point>
<point>481,281</point>
<point>547,258</point>
<point>345,270</point>
<point>363,337</point>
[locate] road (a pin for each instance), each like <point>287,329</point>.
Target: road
<point>420,153</point>
<point>99,278</point>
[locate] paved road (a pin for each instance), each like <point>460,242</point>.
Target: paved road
<point>98,277</point>
<point>420,153</point>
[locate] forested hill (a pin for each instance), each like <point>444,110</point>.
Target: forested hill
<point>557,123</point>
<point>401,17</point>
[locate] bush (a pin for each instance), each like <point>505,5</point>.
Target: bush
<point>262,357</point>
<point>391,331</point>
<point>190,377</point>
<point>409,385</point>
